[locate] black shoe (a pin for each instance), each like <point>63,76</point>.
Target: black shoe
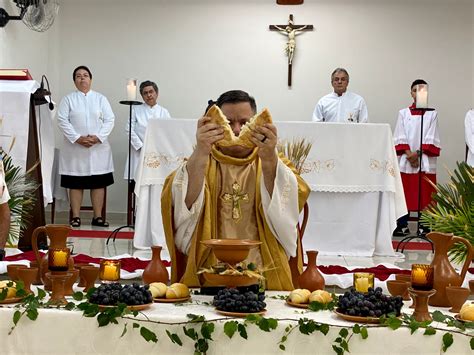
<point>424,230</point>
<point>401,231</point>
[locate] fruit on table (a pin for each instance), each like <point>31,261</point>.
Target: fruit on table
<point>158,289</point>
<point>241,299</point>
<point>371,304</point>
<point>320,296</point>
<point>10,286</point>
<point>467,312</point>
<point>114,293</point>
<point>177,290</point>
<point>299,295</point>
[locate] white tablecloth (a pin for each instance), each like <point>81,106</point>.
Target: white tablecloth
<point>68,332</point>
<point>352,170</point>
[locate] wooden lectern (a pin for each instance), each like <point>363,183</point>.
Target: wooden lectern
<point>33,164</point>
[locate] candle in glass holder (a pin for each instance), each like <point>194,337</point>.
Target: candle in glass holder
<point>363,280</point>
<point>422,96</point>
<point>131,89</point>
<point>58,259</point>
<point>109,270</point>
<point>422,277</point>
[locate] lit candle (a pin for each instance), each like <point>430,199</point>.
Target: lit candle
<point>418,276</point>
<point>131,89</point>
<point>422,96</point>
<point>58,259</point>
<point>363,280</point>
<point>422,276</point>
<point>109,270</point>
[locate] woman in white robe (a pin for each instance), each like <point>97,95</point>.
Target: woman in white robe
<point>86,119</point>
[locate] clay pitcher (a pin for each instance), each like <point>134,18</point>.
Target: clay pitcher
<point>311,279</point>
<point>444,273</point>
<point>155,270</point>
<point>57,234</point>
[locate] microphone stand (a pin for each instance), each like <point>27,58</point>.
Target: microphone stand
<point>419,234</point>
<point>130,199</point>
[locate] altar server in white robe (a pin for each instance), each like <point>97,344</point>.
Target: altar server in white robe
<point>469,131</point>
<point>140,116</point>
<point>86,120</point>
<point>341,105</point>
<point>4,211</point>
<point>407,145</point>
<point>234,192</point>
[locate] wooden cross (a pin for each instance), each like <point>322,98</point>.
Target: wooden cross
<point>235,198</point>
<point>290,30</point>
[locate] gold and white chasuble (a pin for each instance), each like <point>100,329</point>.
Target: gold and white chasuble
<point>234,204</point>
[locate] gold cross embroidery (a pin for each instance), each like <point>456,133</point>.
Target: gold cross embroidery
<point>235,198</point>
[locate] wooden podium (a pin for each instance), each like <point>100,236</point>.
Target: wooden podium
<point>33,164</point>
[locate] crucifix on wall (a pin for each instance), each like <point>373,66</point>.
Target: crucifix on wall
<point>291,31</point>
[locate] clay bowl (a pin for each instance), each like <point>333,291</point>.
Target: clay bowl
<point>229,280</point>
<point>38,281</point>
<point>403,277</point>
<point>28,275</point>
<point>79,266</point>
<point>471,286</point>
<point>12,270</point>
<point>399,288</point>
<point>456,297</point>
<point>231,251</point>
<point>90,274</point>
<point>68,291</point>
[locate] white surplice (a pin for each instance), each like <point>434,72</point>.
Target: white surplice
<point>140,116</point>
<point>407,131</point>
<point>469,131</point>
<point>349,107</point>
<point>79,115</point>
<point>281,210</point>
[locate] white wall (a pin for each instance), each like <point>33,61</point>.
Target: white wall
<point>195,50</point>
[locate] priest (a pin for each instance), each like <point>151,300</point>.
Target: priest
<point>268,192</point>
<point>341,105</point>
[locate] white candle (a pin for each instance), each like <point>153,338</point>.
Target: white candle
<point>422,96</point>
<point>131,90</point>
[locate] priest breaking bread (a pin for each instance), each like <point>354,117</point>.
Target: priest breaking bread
<point>234,186</point>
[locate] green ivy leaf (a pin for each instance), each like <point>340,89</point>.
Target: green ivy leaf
<point>472,343</point>
<point>206,330</point>
<point>16,317</point>
<point>136,325</point>
<point>356,329</point>
<point>253,318</point>
<point>414,325</point>
<point>438,316</point>
<point>324,328</point>
<point>344,332</point>
<point>21,293</point>
<point>338,350</point>
<point>41,293</point>
<point>78,296</point>
<point>174,338</point>
<point>345,345</point>
<point>103,319</point>
<point>282,347</point>
<point>230,328</point>
<point>393,323</point>
<point>195,318</point>
<point>32,313</point>
<point>202,346</point>
<point>3,293</point>
<point>70,306</point>
<point>266,324</point>
<point>447,341</point>
<point>307,326</point>
<point>242,330</point>
<point>148,335</point>
<point>429,331</point>
<point>124,331</point>
<point>364,332</point>
<point>191,333</point>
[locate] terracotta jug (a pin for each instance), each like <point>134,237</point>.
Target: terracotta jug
<point>444,273</point>
<point>155,270</point>
<point>57,234</point>
<point>311,279</point>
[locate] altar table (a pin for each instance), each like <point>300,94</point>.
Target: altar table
<point>352,170</point>
<point>68,332</point>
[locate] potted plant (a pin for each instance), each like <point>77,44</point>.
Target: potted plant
<point>453,210</point>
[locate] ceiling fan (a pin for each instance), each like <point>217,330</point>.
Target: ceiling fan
<point>37,15</point>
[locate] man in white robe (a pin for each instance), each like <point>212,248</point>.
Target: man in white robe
<point>469,132</point>
<point>140,116</point>
<point>4,212</point>
<point>341,105</point>
<point>268,197</point>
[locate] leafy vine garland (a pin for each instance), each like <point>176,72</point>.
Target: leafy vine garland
<point>200,330</point>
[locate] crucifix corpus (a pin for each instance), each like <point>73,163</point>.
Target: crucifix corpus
<point>291,31</point>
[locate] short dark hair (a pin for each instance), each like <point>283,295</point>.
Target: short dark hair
<point>146,83</point>
<point>417,82</point>
<point>337,70</point>
<point>236,96</point>
<point>83,67</point>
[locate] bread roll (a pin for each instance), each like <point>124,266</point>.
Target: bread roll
<point>177,290</point>
<point>467,312</point>
<point>320,296</point>
<point>11,289</point>
<point>299,296</point>
<point>243,139</point>
<point>158,289</point>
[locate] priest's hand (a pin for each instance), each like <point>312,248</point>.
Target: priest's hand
<point>265,138</point>
<point>206,135</point>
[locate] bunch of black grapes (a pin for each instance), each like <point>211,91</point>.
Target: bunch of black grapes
<point>372,304</point>
<point>241,299</point>
<point>114,293</point>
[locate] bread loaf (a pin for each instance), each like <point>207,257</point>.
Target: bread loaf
<point>158,289</point>
<point>320,296</point>
<point>299,296</point>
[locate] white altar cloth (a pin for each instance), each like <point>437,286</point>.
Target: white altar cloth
<point>352,170</point>
<point>68,332</point>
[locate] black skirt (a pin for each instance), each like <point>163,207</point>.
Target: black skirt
<point>87,182</point>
